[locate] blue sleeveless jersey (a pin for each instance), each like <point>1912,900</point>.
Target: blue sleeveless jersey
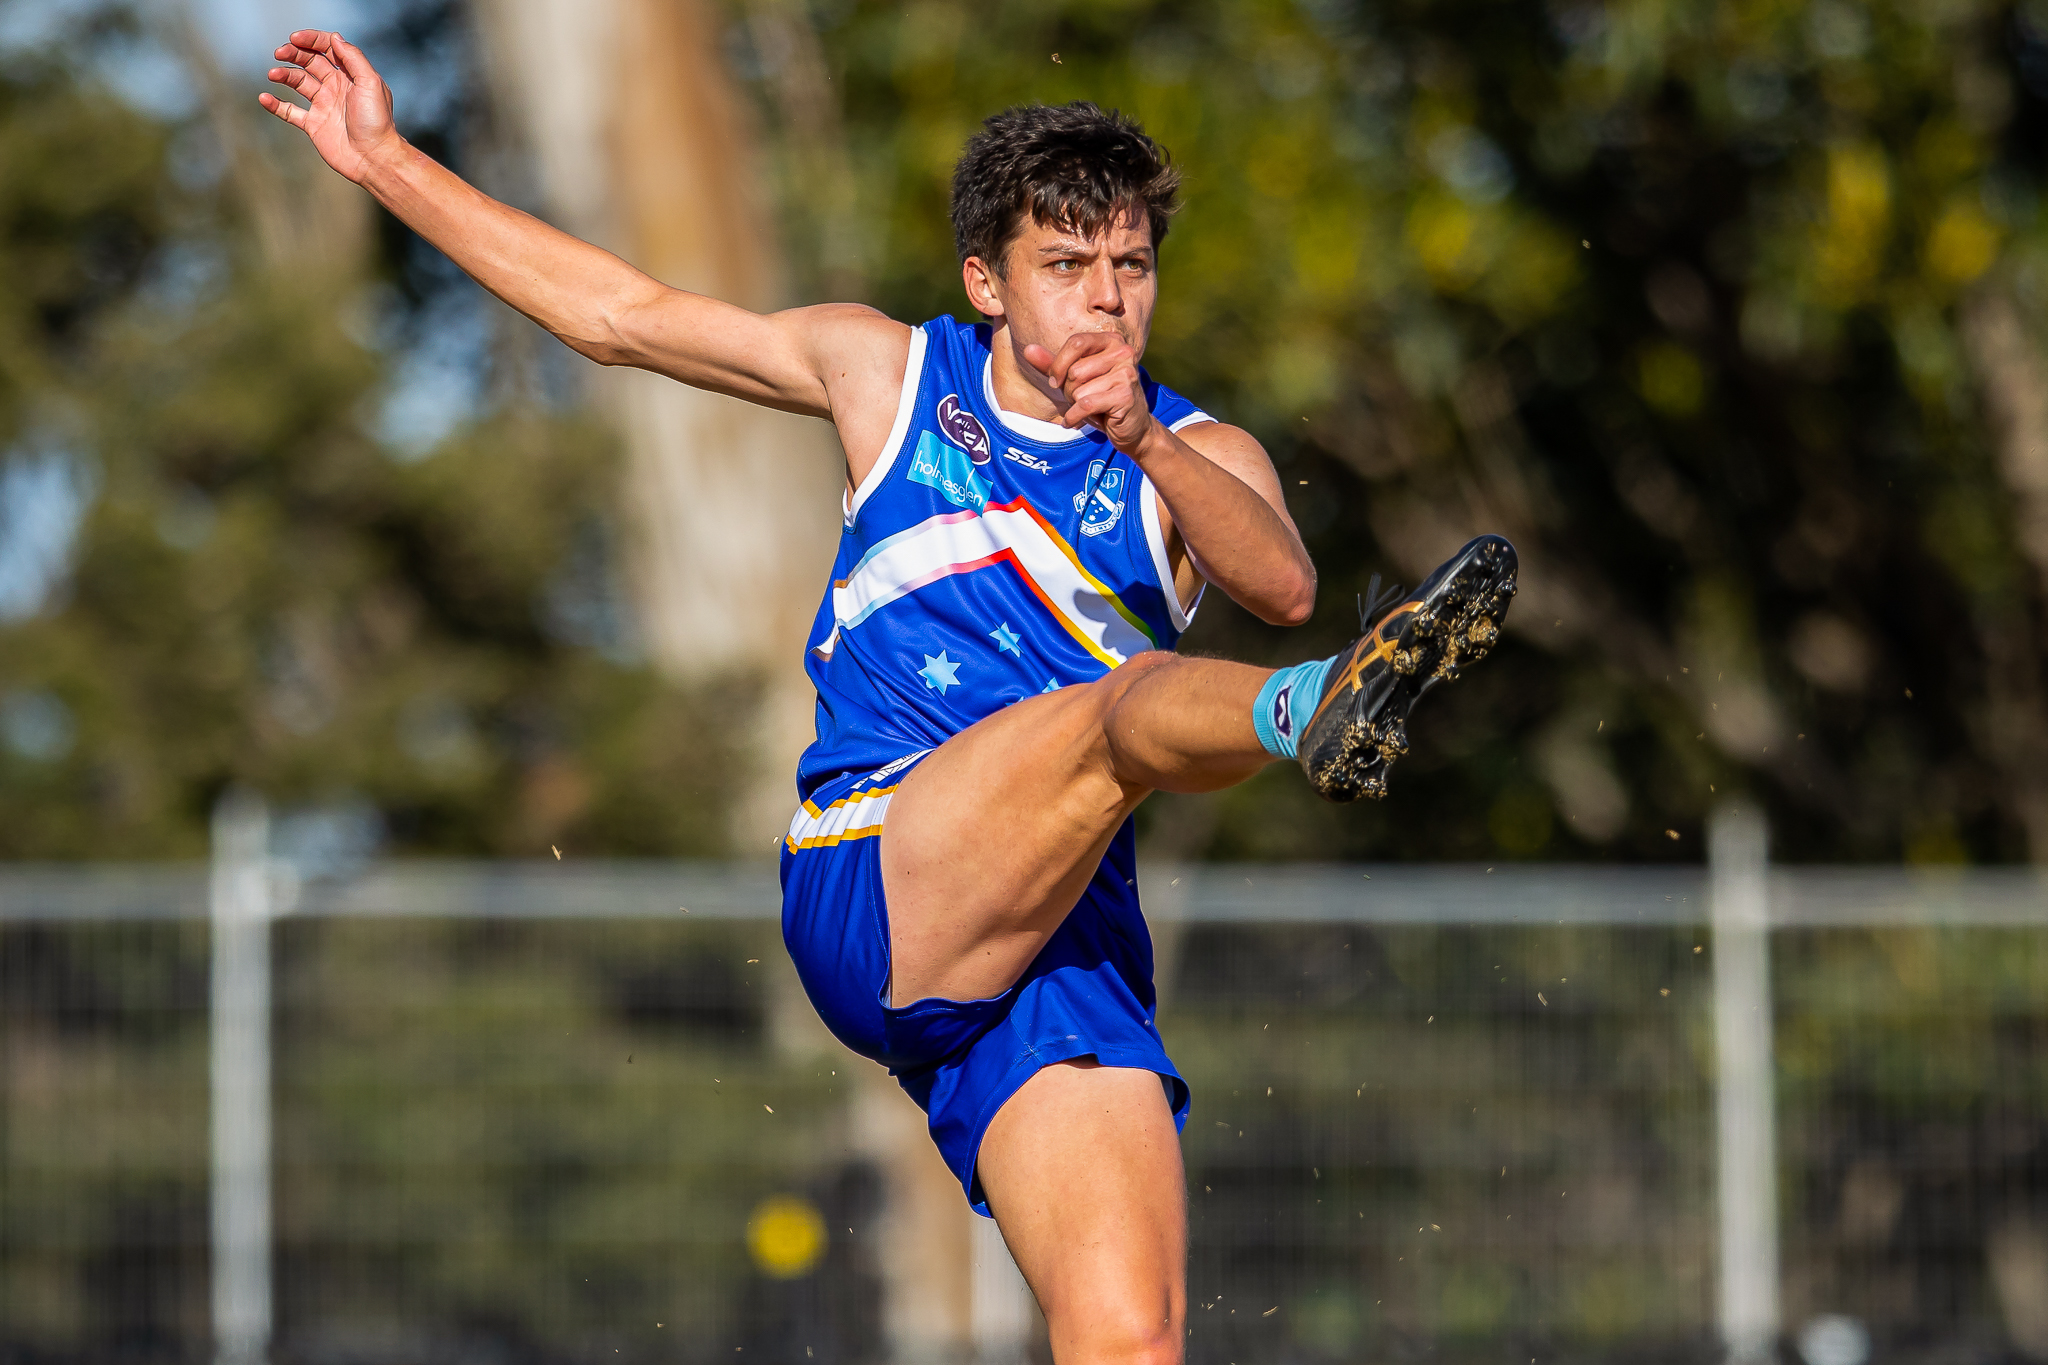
<point>987,557</point>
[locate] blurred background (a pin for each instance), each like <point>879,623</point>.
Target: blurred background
<point>1733,316</point>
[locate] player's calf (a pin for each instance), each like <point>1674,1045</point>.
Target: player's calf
<point>1345,719</point>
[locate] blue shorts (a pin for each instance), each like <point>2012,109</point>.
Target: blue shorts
<point>1088,993</point>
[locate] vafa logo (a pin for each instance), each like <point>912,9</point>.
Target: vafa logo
<point>965,428</point>
<point>1101,501</point>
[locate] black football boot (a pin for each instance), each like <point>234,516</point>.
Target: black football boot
<point>1360,725</point>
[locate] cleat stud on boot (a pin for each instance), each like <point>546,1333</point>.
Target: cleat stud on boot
<point>1393,740</point>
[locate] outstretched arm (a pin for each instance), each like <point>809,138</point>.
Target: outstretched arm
<point>804,360</point>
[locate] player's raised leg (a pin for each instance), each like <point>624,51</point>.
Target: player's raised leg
<point>992,838</point>
<point>1082,1170</point>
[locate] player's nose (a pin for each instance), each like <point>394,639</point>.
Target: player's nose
<point>1106,292</point>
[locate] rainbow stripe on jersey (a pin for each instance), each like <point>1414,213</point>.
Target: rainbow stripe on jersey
<point>986,558</point>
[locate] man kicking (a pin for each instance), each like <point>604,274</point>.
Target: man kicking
<point>1029,524</point>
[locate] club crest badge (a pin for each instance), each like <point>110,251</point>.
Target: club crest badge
<point>1101,501</point>
<point>964,429</point>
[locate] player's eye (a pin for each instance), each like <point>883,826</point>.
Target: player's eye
<point>1066,266</point>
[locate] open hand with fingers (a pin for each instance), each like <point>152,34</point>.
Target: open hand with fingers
<point>348,113</point>
<point>1097,374</point>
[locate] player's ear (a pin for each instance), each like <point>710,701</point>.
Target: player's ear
<point>982,284</point>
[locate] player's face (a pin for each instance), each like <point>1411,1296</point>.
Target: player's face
<point>1059,283</point>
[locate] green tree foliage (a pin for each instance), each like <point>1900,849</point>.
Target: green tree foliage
<point>259,591</point>
<point>1725,312</point>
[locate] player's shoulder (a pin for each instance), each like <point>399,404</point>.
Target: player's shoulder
<point>850,324</point>
<point>857,326</point>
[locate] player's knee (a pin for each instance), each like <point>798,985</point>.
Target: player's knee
<point>1129,673</point>
<point>1127,1338</point>
<point>1153,1348</point>
<point>1150,659</point>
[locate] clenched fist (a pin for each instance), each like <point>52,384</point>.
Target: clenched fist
<point>1097,374</point>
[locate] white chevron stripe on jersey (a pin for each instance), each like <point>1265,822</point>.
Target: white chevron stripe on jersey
<point>1012,533</point>
<point>858,816</point>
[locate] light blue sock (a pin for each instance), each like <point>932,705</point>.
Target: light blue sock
<point>1285,703</point>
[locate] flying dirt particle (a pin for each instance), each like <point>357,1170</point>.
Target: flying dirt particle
<point>769,1108</point>
<point>1270,1311</point>
<point>557,852</point>
<point>1539,996</point>
<point>1663,990</point>
<point>1671,834</point>
<point>1056,60</point>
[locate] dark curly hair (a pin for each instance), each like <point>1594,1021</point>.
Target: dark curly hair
<point>1074,166</point>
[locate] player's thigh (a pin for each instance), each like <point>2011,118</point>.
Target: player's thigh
<point>1082,1169</point>
<point>992,838</point>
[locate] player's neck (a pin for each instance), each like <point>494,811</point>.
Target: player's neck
<point>1015,392</point>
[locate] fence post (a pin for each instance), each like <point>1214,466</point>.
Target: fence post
<point>1000,1303</point>
<point>241,914</point>
<point>1745,1102</point>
